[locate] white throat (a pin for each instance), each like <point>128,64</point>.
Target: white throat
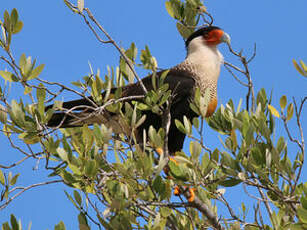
<point>206,60</point>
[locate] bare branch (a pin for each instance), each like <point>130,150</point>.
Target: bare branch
<point>266,204</point>
<point>235,76</point>
<point>110,40</point>
<point>250,94</point>
<point>298,112</point>
<point>23,189</point>
<point>20,161</point>
<point>203,208</point>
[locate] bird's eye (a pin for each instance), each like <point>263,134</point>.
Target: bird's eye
<point>206,36</point>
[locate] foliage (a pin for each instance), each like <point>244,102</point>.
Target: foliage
<point>133,191</point>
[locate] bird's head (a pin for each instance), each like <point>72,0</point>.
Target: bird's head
<point>209,36</point>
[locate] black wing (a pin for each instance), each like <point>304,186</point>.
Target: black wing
<point>180,83</point>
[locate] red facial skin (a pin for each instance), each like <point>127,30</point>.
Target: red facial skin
<point>214,37</point>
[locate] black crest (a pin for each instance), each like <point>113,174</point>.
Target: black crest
<point>200,32</point>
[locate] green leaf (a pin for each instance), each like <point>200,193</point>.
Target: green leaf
<point>90,168</point>
<point>60,226</point>
<point>81,5</point>
<point>304,202</point>
<point>195,122</point>
<point>273,111</point>
<point>14,17</point>
<point>36,72</point>
<point>14,179</point>
<point>215,155</point>
<point>297,226</point>
<point>187,125</point>
<point>6,226</point>
<point>27,68</point>
<point>17,114</point>
<point>2,178</point>
<point>83,225</point>
<point>133,118</point>
<point>41,95</point>
<point>289,111</point>
<point>161,165</point>
<point>228,161</point>
<point>263,99</point>
<point>169,8</point>
<point>182,160</point>
<point>148,61</point>
<point>3,114</point>
<point>68,178</point>
<point>68,4</point>
<point>184,31</point>
<point>233,137</point>
<point>178,171</point>
<point>78,197</point>
<point>8,76</point>
<point>304,66</point>
<point>7,21</point>
<point>159,185</point>
<point>22,61</point>
<point>14,223</point>
<point>155,137</point>
<point>302,214</point>
<point>230,182</point>
<point>63,154</point>
<point>283,102</point>
<point>205,161</point>
<point>298,68</point>
<point>18,27</point>
<point>180,126</point>
<point>29,138</point>
<point>195,149</point>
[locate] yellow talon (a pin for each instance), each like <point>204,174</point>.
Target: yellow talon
<point>192,194</point>
<point>177,191</point>
<point>173,160</point>
<point>159,150</point>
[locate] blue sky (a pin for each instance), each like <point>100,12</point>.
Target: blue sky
<point>60,39</point>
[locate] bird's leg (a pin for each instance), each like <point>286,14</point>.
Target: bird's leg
<point>187,191</point>
<point>159,150</point>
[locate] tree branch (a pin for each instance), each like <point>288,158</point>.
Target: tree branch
<point>23,189</point>
<point>110,40</point>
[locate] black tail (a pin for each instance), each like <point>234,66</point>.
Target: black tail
<point>61,120</point>
<point>64,119</point>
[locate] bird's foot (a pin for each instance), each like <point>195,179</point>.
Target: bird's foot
<point>159,150</point>
<point>190,192</point>
<point>166,169</point>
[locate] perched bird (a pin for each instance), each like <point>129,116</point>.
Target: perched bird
<point>200,69</point>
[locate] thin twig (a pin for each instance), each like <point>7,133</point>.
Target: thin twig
<point>266,204</point>
<point>27,188</point>
<point>203,208</point>
<point>250,94</point>
<point>19,162</point>
<point>110,40</point>
<point>235,76</point>
<point>298,112</point>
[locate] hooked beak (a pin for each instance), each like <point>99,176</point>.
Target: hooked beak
<point>225,38</point>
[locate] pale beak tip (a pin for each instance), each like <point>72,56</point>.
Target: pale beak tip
<point>226,38</point>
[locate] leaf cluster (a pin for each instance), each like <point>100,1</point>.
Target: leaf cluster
<point>126,184</point>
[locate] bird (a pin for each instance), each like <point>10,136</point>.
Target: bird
<point>200,69</point>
